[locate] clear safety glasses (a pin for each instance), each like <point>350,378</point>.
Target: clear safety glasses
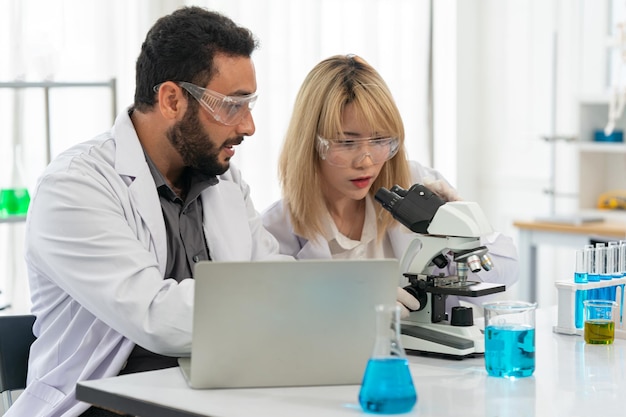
<point>228,110</point>
<point>346,152</point>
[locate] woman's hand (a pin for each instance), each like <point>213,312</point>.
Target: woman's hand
<point>442,189</point>
<point>406,302</point>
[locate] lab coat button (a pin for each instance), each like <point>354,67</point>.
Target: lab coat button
<point>196,258</point>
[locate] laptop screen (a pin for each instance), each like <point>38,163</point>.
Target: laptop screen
<point>287,323</point>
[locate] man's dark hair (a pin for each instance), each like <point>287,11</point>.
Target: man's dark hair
<point>181,47</point>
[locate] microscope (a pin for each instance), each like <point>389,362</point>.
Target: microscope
<point>448,232</point>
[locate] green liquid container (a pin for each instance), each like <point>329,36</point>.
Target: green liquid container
<point>14,202</point>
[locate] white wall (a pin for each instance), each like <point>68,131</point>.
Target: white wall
<point>493,74</point>
<point>95,40</point>
<point>505,64</point>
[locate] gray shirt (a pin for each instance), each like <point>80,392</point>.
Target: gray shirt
<point>186,245</point>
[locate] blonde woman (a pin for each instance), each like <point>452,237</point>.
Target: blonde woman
<point>345,140</point>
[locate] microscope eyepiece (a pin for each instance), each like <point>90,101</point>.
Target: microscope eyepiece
<point>398,190</point>
<point>414,208</point>
<point>386,198</point>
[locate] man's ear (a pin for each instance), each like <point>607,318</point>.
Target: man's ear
<point>171,102</point>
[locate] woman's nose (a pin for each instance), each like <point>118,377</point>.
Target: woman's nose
<point>364,160</point>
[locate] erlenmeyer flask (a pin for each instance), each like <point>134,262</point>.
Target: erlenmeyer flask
<point>14,196</point>
<point>387,386</point>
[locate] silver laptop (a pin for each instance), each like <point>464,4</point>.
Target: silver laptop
<point>289,323</point>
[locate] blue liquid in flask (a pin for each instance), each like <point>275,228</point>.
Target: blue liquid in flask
<point>387,387</point>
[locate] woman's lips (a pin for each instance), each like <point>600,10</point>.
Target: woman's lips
<point>361,182</point>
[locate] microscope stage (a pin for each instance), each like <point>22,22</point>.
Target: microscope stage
<point>468,289</point>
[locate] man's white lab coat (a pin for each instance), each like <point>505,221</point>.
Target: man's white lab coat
<point>96,254</point>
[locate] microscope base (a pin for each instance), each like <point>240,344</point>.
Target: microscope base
<point>442,338</point>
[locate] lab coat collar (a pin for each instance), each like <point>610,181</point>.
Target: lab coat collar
<point>129,154</point>
<point>227,241</point>
<point>315,249</point>
<point>131,165</point>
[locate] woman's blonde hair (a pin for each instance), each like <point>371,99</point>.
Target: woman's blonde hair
<point>327,89</point>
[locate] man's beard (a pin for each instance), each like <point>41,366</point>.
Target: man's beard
<point>195,146</point>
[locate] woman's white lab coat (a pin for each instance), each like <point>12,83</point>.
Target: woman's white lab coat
<point>96,255</point>
<point>501,248</point>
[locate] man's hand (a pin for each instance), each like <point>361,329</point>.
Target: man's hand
<point>406,302</point>
<point>442,189</point>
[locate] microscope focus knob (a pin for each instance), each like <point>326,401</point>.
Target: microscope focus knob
<point>462,316</point>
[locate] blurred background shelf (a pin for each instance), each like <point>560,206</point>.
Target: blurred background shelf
<point>13,219</point>
<point>48,85</point>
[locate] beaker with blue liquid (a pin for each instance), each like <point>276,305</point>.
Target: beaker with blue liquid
<point>387,386</point>
<point>510,338</point>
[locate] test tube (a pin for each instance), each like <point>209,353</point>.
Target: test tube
<point>602,293</point>
<point>592,276</point>
<point>622,269</point>
<point>580,273</point>
<point>612,267</point>
<point>613,260</point>
<point>580,277</point>
<point>622,257</point>
<point>602,261</point>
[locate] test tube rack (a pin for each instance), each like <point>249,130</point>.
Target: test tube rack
<point>566,293</point>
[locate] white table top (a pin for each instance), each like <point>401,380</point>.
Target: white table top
<point>571,379</point>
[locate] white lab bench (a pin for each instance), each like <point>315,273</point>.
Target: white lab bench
<point>571,379</point>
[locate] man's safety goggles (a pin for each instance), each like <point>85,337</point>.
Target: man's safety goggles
<point>228,110</point>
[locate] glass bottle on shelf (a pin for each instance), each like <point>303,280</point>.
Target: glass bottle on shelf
<point>14,196</point>
<point>387,386</point>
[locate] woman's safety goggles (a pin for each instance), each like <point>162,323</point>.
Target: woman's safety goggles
<point>347,151</point>
<point>228,110</point>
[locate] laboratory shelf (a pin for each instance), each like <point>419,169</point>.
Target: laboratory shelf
<point>600,99</point>
<point>601,147</point>
<point>600,167</point>
<point>47,86</point>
